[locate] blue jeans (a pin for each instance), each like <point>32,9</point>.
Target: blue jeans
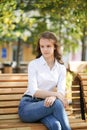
<point>33,110</point>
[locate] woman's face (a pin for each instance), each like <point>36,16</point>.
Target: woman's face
<point>47,47</point>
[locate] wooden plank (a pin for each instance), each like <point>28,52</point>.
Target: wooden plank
<point>85,93</point>
<point>79,125</point>
<point>13,84</point>
<point>75,99</point>
<point>9,116</point>
<point>85,98</point>
<point>82,76</point>
<point>84,87</point>
<point>33,126</point>
<point>77,113</point>
<point>75,88</point>
<point>76,106</point>
<point>9,104</point>
<point>13,77</point>
<point>12,90</point>
<point>27,128</point>
<point>75,94</point>
<point>21,128</point>
<point>10,120</point>
<point>75,120</point>
<point>80,129</point>
<point>84,82</point>
<point>10,97</point>
<point>8,110</point>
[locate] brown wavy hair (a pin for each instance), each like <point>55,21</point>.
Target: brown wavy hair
<point>50,36</point>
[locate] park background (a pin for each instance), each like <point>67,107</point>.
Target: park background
<point>21,22</point>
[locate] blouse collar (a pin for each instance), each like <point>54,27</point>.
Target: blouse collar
<point>43,61</point>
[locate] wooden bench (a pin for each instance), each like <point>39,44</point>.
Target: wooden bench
<point>12,87</point>
<point>77,66</point>
<point>77,99</point>
<point>79,95</point>
<point>83,86</point>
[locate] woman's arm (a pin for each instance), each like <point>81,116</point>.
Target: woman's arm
<point>44,94</point>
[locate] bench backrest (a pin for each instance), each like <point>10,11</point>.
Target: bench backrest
<point>79,95</point>
<point>12,87</point>
<point>83,84</point>
<point>76,98</point>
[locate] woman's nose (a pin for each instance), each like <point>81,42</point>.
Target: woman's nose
<point>45,49</point>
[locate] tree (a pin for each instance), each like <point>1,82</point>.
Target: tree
<point>15,24</point>
<point>66,18</point>
<point>69,20</point>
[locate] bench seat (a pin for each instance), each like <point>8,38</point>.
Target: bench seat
<point>18,125</point>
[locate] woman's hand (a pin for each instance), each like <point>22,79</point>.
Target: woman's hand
<point>63,99</point>
<point>49,101</point>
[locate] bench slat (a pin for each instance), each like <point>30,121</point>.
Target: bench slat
<point>84,82</point>
<point>85,93</point>
<point>84,87</point>
<point>13,77</point>
<point>9,104</point>
<point>12,90</point>
<point>76,94</point>
<point>13,84</point>
<point>24,126</point>
<point>75,88</point>
<point>10,97</point>
<point>21,128</point>
<point>7,117</point>
<point>8,110</point>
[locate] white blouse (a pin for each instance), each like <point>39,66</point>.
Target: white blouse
<point>40,76</point>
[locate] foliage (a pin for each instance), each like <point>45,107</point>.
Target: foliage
<point>25,19</point>
<point>69,79</point>
<point>15,22</point>
<point>68,19</point>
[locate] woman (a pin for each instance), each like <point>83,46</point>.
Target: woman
<point>40,102</point>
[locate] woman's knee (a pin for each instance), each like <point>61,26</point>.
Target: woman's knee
<point>58,104</point>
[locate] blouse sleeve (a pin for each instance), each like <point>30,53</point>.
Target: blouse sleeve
<point>61,86</point>
<point>32,78</point>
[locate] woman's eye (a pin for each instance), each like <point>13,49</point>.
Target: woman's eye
<point>42,46</point>
<point>48,46</point>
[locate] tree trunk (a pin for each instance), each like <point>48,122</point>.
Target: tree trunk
<point>18,56</point>
<point>84,45</point>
